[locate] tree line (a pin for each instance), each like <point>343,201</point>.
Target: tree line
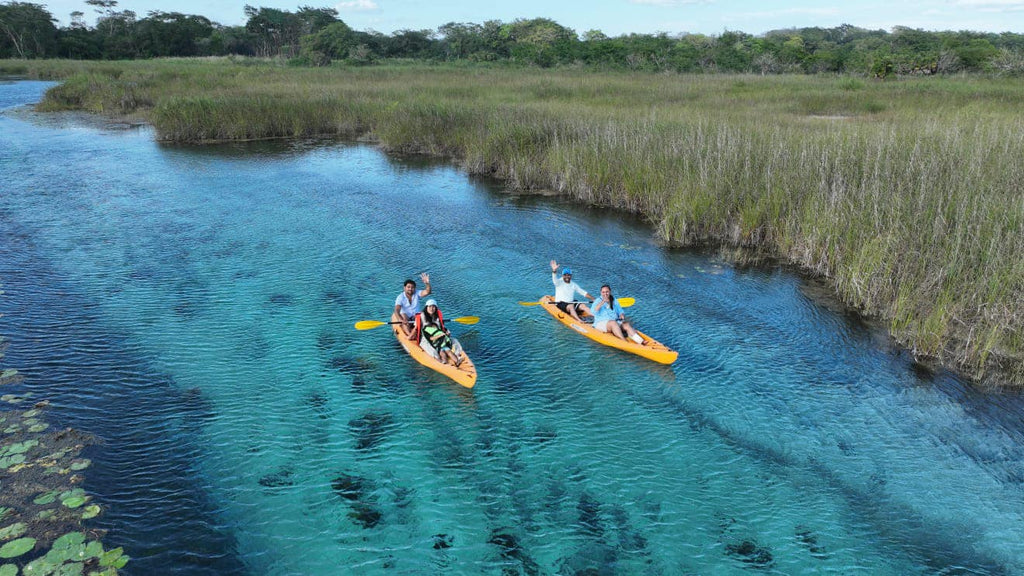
<point>317,37</point>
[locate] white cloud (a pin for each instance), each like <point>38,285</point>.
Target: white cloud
<point>991,5</point>
<point>356,6</point>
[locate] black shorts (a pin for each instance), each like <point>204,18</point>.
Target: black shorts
<point>564,307</point>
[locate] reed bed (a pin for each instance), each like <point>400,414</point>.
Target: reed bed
<point>907,195</point>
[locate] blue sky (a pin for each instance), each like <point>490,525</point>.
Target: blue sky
<point>615,17</point>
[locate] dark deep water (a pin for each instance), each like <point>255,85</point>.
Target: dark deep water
<point>192,307</point>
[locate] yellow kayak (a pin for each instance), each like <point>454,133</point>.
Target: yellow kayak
<point>464,374</point>
<point>650,349</point>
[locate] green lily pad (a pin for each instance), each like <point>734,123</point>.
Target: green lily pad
<point>70,569</point>
<point>94,549</point>
<point>45,497</point>
<point>4,511</point>
<point>69,493</point>
<point>69,540</point>
<point>74,501</point>
<point>9,371</point>
<point>12,531</point>
<point>58,556</point>
<point>11,460</point>
<point>16,548</point>
<point>8,570</point>
<point>22,447</point>
<point>30,414</point>
<point>46,514</point>
<point>81,464</point>
<point>90,511</point>
<point>38,427</point>
<point>111,557</point>
<point>12,429</point>
<point>39,566</point>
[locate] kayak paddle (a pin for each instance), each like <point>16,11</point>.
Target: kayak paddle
<point>371,324</point>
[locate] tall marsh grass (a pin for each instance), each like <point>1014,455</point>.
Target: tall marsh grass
<point>908,196</point>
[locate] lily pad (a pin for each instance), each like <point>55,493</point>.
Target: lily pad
<point>30,414</point>
<point>69,540</point>
<point>22,447</point>
<point>12,460</point>
<point>16,548</point>
<point>90,511</point>
<point>46,514</point>
<point>81,464</point>
<point>69,493</point>
<point>94,549</point>
<point>12,531</point>
<point>8,570</point>
<point>74,501</point>
<point>112,557</point>
<point>4,511</point>
<point>39,566</point>
<point>70,569</point>
<point>38,427</point>
<point>45,498</point>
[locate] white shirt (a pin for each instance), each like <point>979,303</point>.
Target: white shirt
<point>566,292</point>
<point>410,307</point>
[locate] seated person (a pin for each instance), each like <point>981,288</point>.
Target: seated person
<point>608,317</point>
<point>430,323</point>
<point>565,293</point>
<point>407,305</point>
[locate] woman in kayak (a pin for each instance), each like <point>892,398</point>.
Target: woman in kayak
<point>608,317</point>
<point>430,323</point>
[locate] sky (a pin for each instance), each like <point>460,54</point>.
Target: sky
<point>613,17</point>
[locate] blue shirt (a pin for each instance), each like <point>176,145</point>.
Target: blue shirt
<point>607,312</point>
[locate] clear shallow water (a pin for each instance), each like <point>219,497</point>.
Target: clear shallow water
<point>193,307</point>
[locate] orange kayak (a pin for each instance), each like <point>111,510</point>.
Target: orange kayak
<point>464,374</point>
<point>650,349</point>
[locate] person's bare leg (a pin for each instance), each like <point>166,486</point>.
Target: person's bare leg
<point>614,328</point>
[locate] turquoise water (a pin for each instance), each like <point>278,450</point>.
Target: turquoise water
<point>193,307</point>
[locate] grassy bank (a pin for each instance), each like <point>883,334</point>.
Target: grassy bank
<point>906,195</point>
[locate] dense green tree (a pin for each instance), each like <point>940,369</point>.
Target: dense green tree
<point>27,31</point>
<point>540,41</point>
<point>172,34</point>
<point>333,42</point>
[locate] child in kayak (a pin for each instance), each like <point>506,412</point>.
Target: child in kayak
<point>608,317</point>
<point>430,323</point>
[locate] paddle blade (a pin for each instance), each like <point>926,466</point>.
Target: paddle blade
<point>529,303</point>
<point>467,319</point>
<point>368,324</point>
<point>626,302</point>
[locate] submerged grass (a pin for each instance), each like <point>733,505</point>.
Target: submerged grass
<point>907,195</point>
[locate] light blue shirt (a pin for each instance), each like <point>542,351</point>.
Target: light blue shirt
<point>607,312</point>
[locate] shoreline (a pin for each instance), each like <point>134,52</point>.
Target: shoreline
<point>933,304</point>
